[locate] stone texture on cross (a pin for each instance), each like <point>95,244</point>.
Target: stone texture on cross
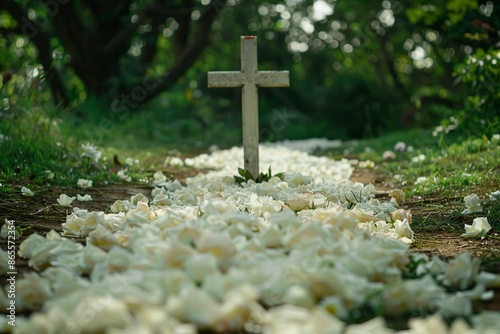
<point>249,78</point>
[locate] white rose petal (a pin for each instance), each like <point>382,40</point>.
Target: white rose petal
<point>112,313</point>
<point>479,228</point>
<point>84,198</point>
<point>389,155</point>
<point>65,200</point>
<point>462,271</point>
<point>83,183</point>
<point>27,192</point>
<point>495,196</point>
<point>421,180</point>
<point>375,326</point>
<point>32,291</point>
<point>9,229</point>
<point>159,177</point>
<point>212,255</point>
<point>91,151</point>
<point>400,146</point>
<point>472,204</point>
<point>398,195</point>
<point>122,174</point>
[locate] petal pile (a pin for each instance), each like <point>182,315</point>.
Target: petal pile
<point>302,254</point>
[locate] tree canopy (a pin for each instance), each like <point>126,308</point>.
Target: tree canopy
<point>371,65</point>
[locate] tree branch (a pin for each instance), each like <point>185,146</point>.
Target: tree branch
<point>190,53</point>
<point>155,11</point>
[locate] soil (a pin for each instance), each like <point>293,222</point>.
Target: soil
<point>41,214</point>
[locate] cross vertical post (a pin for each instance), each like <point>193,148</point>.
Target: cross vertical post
<point>249,78</point>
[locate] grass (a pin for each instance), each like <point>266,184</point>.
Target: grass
<point>451,169</point>
<point>436,174</point>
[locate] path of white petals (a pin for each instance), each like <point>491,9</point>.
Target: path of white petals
<point>299,255</point>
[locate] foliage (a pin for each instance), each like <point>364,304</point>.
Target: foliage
<point>345,55</point>
<point>479,113</point>
<point>246,176</point>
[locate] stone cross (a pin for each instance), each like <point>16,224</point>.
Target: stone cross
<point>249,78</point>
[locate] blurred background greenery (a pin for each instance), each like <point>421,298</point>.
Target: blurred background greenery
<point>134,73</point>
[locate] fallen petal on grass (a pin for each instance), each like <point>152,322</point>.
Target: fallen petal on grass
<point>479,228</point>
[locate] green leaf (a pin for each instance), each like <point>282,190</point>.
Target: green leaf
<point>279,175</point>
<point>241,171</point>
<point>248,175</point>
<point>239,180</point>
<point>262,177</point>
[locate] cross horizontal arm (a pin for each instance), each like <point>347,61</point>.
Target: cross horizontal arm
<point>272,79</point>
<point>226,79</point>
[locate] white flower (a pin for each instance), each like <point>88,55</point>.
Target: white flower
<point>104,239</point>
<point>63,280</point>
<point>199,266</point>
<point>406,296</point>
<point>65,200</point>
<point>94,314</point>
<point>32,291</point>
<point>27,192</point>
<point>122,174</point>
<point>91,151</point>
<point>398,195</point>
<point>239,307</point>
<point>495,138</point>
<point>129,161</point>
<point>335,306</point>
<point>83,183</point>
<point>436,325</point>
<point>495,196</point>
<point>220,245</point>
<point>91,256</point>
<point>402,214</point>
<point>472,204</point>
<point>435,267</point>
<point>400,146</point>
<point>271,237</point>
<point>404,231</point>
<point>462,271</point>
<point>299,296</point>
<point>84,198</point>
<point>479,228</point>
<point>489,280</point>
<point>296,179</point>
<point>454,306</point>
<point>421,180</point>
<point>6,228</point>
<point>296,320</point>
<point>159,177</point>
<point>388,155</point>
<point>28,246</point>
<point>297,203</point>
<point>174,161</point>
<point>366,164</point>
<point>374,326</point>
<point>49,175</point>
<point>194,305</point>
<point>418,158</point>
<point>487,322</point>
<point>81,222</point>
